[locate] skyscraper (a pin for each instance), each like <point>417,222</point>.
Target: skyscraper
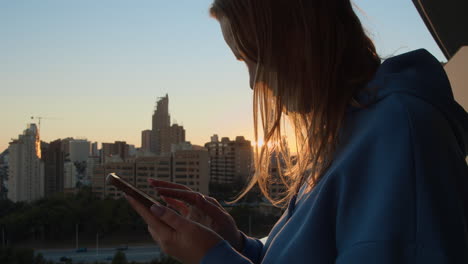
<point>54,159</point>
<point>163,135</point>
<point>146,140</point>
<point>161,122</point>
<point>161,117</point>
<point>26,171</point>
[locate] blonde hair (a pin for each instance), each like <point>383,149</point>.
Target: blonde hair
<point>312,57</point>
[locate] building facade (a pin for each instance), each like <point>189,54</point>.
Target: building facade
<point>163,135</point>
<point>191,168</point>
<point>80,150</point>
<point>3,174</point>
<point>111,151</point>
<point>54,159</point>
<point>161,122</point>
<point>230,161</point>
<point>146,140</point>
<point>187,167</point>
<point>26,170</point>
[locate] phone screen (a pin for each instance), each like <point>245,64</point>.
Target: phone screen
<point>131,190</point>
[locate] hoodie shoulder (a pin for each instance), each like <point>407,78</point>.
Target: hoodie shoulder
<point>420,76</point>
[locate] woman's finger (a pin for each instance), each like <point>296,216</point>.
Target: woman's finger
<point>214,201</point>
<point>195,199</point>
<point>165,184</point>
<point>177,205</point>
<point>169,217</point>
<point>164,230</point>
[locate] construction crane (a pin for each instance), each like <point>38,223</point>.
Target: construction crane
<point>39,118</point>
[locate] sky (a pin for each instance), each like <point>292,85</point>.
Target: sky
<point>94,69</point>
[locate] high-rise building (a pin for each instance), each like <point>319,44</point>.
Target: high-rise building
<point>119,149</point>
<point>75,167</point>
<point>230,161</point>
<point>161,121</point>
<point>146,140</point>
<point>94,150</point>
<point>3,174</point>
<point>191,168</point>
<point>54,159</point>
<point>66,146</point>
<point>188,167</point>
<point>161,117</point>
<point>122,149</point>
<point>177,134</point>
<point>26,171</point>
<point>80,150</point>
<point>163,135</point>
<point>276,187</point>
<point>132,151</point>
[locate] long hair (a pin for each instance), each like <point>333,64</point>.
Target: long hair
<point>311,57</point>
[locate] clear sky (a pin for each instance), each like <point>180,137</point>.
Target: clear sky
<point>99,66</point>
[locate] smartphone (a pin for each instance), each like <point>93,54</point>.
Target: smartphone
<point>132,191</point>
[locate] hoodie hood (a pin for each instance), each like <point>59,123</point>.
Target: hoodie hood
<point>420,74</point>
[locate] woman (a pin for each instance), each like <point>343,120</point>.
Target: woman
<point>380,173</point>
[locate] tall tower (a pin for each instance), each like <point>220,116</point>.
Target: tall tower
<point>161,117</point>
<point>26,175</point>
<point>146,140</point>
<point>161,123</point>
<point>54,159</point>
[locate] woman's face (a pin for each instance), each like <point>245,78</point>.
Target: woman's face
<point>228,37</point>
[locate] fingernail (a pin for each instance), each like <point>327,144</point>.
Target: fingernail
<point>157,210</point>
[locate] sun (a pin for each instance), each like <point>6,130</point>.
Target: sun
<point>258,144</point>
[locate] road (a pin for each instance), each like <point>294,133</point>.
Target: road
<point>139,254</point>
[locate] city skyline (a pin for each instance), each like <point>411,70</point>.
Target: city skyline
<point>97,68</point>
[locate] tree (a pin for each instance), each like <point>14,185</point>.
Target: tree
<point>119,258</point>
<point>39,259</point>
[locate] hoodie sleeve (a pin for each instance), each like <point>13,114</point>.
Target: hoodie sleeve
<point>224,253</point>
<point>399,197</point>
<point>252,248</point>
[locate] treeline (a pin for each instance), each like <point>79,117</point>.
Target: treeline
<point>27,256</point>
<point>56,218</point>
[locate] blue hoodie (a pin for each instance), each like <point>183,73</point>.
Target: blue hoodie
<point>397,191</point>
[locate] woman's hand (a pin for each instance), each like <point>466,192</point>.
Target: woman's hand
<point>176,235</point>
<point>201,209</point>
